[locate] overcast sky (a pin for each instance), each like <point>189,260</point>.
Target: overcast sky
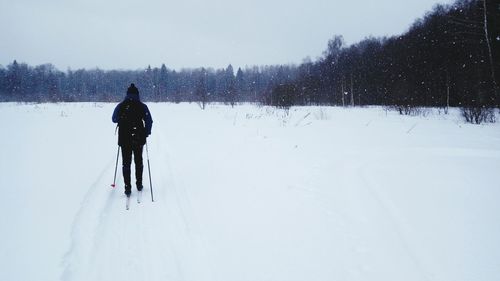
<point>130,34</point>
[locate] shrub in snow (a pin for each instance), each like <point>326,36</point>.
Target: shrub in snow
<point>478,114</point>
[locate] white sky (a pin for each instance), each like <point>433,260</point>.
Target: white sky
<point>130,34</point>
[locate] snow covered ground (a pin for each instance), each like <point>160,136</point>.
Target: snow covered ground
<point>250,193</point>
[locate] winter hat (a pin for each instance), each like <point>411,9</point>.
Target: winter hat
<point>132,90</point>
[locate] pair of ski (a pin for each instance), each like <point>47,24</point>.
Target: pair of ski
<point>139,198</point>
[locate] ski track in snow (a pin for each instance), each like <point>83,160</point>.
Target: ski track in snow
<point>79,226</point>
<point>187,223</point>
<point>363,193</point>
<point>390,213</point>
<point>111,243</point>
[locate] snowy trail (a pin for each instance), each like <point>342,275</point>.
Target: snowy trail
<point>82,224</point>
<point>152,241</point>
<point>251,193</point>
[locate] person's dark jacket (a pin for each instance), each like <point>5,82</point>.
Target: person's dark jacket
<point>134,121</point>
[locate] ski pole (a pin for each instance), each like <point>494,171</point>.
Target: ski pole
<point>116,167</point>
<point>149,171</point>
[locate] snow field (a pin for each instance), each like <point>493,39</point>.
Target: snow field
<point>250,193</point>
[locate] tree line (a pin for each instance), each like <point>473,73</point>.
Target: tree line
<point>44,83</point>
<point>449,57</point>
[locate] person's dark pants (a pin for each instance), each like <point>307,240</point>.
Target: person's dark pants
<point>127,161</point>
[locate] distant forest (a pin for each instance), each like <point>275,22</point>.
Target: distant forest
<point>450,57</point>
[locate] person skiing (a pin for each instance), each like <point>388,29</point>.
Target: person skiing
<point>134,126</point>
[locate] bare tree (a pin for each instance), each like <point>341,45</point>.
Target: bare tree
<point>352,92</point>
<point>201,89</point>
<point>488,44</point>
<point>343,92</point>
<point>447,92</point>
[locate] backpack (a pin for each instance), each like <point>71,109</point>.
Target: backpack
<point>131,126</point>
